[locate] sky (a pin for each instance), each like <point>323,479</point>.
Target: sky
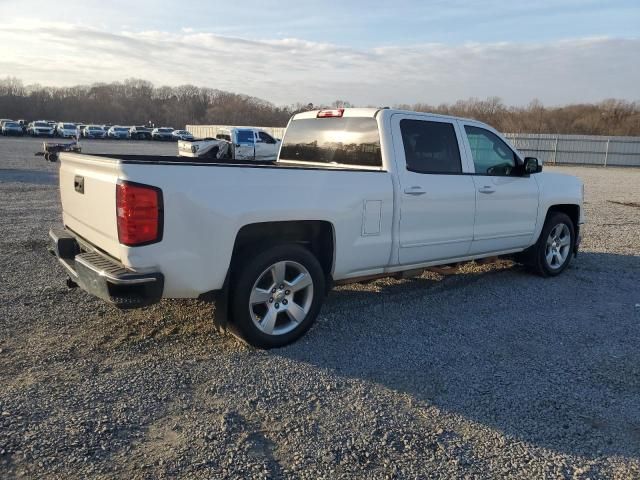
<point>365,52</point>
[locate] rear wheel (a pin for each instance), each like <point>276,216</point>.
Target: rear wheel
<point>213,153</point>
<point>552,252</point>
<point>276,295</point>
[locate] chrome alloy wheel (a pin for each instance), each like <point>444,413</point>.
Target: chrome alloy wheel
<point>281,297</point>
<point>558,246</point>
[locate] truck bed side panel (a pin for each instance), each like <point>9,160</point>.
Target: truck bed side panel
<point>206,206</point>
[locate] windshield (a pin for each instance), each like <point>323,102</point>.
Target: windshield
<point>12,124</point>
<point>121,129</point>
<point>349,141</point>
<point>94,128</point>
<point>42,124</point>
<point>68,126</point>
<point>165,130</point>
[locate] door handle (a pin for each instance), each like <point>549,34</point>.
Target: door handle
<point>486,189</point>
<point>415,191</point>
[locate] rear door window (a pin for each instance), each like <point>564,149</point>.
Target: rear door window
<point>245,136</point>
<point>430,147</point>
<point>347,141</point>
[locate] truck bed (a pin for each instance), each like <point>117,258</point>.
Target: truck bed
<point>193,161</point>
<point>205,204</point>
<point>168,159</point>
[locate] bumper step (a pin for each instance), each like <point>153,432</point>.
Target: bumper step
<point>105,277</point>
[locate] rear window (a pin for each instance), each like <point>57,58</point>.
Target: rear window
<point>348,141</point>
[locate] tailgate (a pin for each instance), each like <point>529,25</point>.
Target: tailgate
<point>88,195</point>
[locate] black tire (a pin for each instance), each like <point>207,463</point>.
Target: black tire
<point>250,271</point>
<point>213,153</point>
<point>537,259</point>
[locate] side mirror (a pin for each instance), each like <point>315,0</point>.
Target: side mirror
<point>532,165</point>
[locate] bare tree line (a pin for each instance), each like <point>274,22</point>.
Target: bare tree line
<point>137,101</point>
<point>609,117</point>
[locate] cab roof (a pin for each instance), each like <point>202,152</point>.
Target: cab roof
<point>373,112</point>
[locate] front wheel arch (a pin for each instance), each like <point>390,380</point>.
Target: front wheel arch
<point>534,256</point>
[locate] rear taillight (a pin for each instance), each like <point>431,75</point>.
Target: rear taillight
<point>338,112</point>
<point>139,211</point>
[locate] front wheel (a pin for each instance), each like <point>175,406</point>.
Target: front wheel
<point>276,295</point>
<point>554,249</point>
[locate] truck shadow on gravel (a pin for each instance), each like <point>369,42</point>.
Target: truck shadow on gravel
<point>552,362</point>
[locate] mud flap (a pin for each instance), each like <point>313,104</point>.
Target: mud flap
<point>222,317</point>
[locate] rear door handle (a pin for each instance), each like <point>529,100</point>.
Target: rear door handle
<point>486,189</point>
<point>415,191</point>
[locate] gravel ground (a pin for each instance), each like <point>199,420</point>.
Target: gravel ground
<point>488,373</point>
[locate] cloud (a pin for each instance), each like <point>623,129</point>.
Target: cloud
<point>290,69</point>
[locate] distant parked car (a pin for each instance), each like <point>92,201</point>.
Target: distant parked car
<point>94,131</point>
<point>40,128</point>
<point>140,132</point>
<point>163,133</point>
<point>181,135</point>
<point>118,132</point>
<point>12,128</point>
<point>66,130</point>
<point>4,120</point>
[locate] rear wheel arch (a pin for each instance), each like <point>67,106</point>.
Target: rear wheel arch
<point>318,236</point>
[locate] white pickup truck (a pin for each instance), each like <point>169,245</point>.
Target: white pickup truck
<point>355,194</point>
<point>239,143</point>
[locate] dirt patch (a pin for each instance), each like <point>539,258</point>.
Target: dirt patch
<point>626,204</point>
